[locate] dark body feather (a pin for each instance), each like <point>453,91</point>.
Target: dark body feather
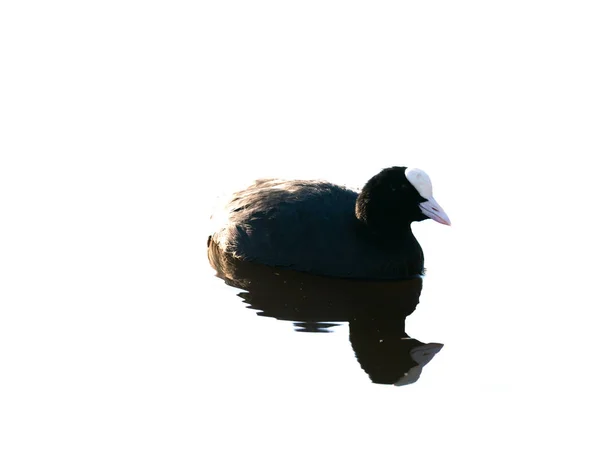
<point>312,226</point>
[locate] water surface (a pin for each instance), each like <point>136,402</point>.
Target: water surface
<point>122,124</point>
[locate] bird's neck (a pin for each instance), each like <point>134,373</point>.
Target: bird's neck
<point>390,234</point>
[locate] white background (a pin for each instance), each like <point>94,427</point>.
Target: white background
<point>120,124</point>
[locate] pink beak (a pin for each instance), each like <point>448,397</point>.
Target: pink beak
<point>434,211</point>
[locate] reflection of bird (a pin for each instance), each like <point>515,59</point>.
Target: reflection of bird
<point>326,229</point>
<point>387,353</point>
<point>375,310</point>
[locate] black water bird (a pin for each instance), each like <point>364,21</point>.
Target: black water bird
<point>326,229</point>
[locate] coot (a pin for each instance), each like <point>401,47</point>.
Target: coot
<point>326,229</point>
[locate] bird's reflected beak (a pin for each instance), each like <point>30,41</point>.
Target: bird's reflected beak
<point>434,211</point>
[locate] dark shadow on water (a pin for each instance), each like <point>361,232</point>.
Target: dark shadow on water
<point>375,311</point>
